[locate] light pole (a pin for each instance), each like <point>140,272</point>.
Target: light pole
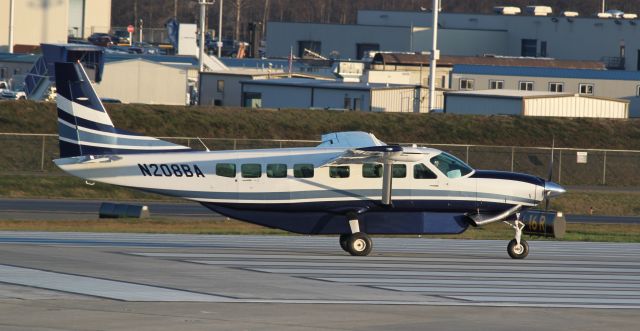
<point>220,43</point>
<point>435,55</point>
<point>203,5</point>
<point>11,14</point>
<point>603,5</point>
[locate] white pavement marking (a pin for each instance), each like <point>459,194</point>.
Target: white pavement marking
<point>98,287</point>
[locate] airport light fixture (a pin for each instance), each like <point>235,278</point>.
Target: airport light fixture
<point>435,55</point>
<point>203,5</point>
<point>11,22</point>
<point>220,44</point>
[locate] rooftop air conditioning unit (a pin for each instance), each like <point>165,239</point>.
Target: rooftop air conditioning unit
<point>538,10</point>
<point>630,16</point>
<point>570,14</point>
<point>506,10</point>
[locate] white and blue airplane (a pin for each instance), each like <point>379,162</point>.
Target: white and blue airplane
<point>351,185</point>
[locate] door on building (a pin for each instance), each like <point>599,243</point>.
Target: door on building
<point>529,47</point>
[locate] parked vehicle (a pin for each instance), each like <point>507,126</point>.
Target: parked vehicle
<point>13,95</point>
<point>122,35</point>
<point>103,39</point>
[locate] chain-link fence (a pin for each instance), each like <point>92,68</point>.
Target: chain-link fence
<point>572,166</point>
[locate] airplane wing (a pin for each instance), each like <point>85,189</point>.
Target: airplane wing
<point>386,155</point>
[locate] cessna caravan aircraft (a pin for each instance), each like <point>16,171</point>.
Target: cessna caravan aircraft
<point>350,185</point>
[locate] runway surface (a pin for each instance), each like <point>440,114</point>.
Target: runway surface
<point>65,209</point>
<point>299,282</point>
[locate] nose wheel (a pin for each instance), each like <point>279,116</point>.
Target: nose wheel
<point>517,248</point>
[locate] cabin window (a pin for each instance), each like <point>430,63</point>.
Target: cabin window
<point>421,171</point>
<point>374,170</point>
<point>450,165</point>
<point>525,86</point>
<point>399,171</point>
<point>251,170</point>
<point>556,87</point>
<point>304,170</point>
<point>226,170</point>
<point>276,170</point>
<point>371,170</point>
<point>339,171</point>
<point>586,89</point>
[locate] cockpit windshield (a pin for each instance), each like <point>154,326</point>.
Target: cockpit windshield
<point>450,165</point>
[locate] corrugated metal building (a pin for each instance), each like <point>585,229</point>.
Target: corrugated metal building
<point>534,103</point>
<point>319,94</point>
<point>616,84</point>
<point>142,81</point>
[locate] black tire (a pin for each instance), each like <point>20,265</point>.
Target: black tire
<point>518,253</point>
<point>344,239</point>
<point>359,244</point>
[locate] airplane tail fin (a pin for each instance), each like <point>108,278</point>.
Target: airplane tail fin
<point>85,128</point>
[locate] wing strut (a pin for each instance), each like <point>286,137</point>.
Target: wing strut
<point>387,180</point>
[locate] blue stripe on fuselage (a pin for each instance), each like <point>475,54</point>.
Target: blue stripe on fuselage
<point>509,176</point>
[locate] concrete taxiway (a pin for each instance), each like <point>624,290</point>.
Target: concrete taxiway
<point>91,281</point>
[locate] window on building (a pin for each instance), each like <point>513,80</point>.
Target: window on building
<point>638,91</point>
<point>3,72</point>
<point>252,99</point>
<point>466,84</point>
<point>357,104</point>
<point>220,85</point>
<point>339,171</point>
<point>251,170</point>
<point>556,87</point>
<point>586,89</point>
<point>421,171</point>
<point>312,45</point>
<point>347,102</point>
<point>543,48</point>
<point>277,170</point>
<point>304,170</point>
<point>529,47</point>
<point>363,49</point>
<point>496,84</point>
<point>525,86</point>
<point>16,71</point>
<point>226,170</point>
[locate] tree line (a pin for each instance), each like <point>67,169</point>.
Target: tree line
<point>237,14</point>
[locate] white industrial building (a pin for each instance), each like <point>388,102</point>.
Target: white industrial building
<point>533,103</point>
<point>137,80</point>
<point>615,84</point>
<point>36,22</point>
<point>615,41</point>
<point>322,94</point>
<point>223,88</point>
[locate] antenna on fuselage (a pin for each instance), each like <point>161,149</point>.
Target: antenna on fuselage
<point>203,144</point>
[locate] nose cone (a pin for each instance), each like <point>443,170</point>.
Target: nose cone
<point>552,189</point>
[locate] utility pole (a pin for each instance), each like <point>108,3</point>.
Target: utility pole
<point>435,55</point>
<point>220,43</point>
<point>11,14</point>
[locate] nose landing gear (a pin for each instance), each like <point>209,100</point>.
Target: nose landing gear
<point>517,248</point>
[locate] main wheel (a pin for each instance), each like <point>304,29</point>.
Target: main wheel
<point>359,244</point>
<point>518,251</point>
<point>344,239</point>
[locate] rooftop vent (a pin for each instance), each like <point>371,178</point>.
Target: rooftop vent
<point>538,10</point>
<point>506,10</point>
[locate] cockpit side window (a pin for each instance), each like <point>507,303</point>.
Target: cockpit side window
<point>421,171</point>
<point>450,165</point>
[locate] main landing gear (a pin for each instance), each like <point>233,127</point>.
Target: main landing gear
<point>357,243</point>
<point>518,248</point>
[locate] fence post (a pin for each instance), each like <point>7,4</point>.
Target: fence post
<point>42,154</point>
<point>604,169</point>
<point>513,151</point>
<point>560,167</point>
<point>467,157</point>
<point>234,144</point>
<point>280,144</point>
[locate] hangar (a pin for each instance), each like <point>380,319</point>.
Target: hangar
<point>534,103</point>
